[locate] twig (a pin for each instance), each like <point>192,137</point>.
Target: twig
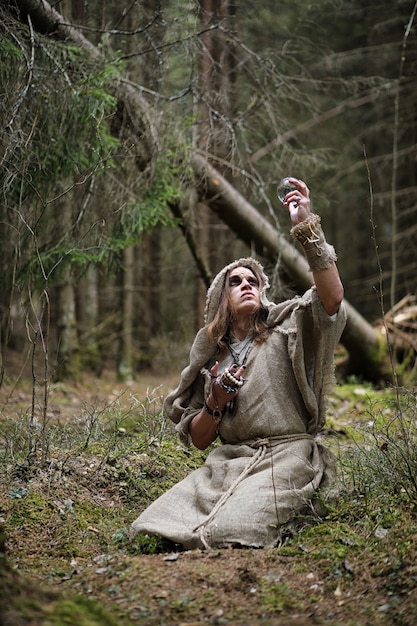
<point>378,260</point>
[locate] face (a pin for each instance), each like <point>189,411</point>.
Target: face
<point>244,293</point>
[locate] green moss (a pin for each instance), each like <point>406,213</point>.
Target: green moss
<point>82,612</point>
<point>79,504</point>
<point>60,612</point>
<point>278,597</point>
<point>144,544</point>
<point>31,509</point>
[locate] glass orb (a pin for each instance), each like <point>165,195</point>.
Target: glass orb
<point>285,187</point>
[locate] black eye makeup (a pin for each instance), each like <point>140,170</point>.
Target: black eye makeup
<point>235,281</point>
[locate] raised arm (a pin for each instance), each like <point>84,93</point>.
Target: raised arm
<point>320,255</point>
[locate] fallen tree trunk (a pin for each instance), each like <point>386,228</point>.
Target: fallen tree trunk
<point>366,346</point>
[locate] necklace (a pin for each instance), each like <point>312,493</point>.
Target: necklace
<point>239,349</point>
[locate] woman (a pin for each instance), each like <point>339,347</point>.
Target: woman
<point>258,377</point>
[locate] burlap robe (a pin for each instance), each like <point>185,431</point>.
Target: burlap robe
<point>270,465</point>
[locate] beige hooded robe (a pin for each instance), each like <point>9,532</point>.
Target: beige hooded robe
<point>269,466</point>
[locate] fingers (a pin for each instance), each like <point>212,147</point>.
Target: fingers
<point>230,381</point>
<point>294,201</point>
<point>238,371</point>
<point>298,201</point>
<point>301,186</point>
<point>215,369</point>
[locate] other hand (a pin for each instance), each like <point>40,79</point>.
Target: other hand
<point>298,201</point>
<point>223,397</point>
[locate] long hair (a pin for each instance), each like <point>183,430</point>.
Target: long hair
<point>219,327</point>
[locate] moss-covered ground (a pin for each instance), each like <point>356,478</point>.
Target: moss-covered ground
<point>75,473</point>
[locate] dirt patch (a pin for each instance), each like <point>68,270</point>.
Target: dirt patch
<point>66,522</point>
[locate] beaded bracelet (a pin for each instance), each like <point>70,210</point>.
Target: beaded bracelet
<point>227,388</point>
<point>230,383</point>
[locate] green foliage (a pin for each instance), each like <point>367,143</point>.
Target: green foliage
<point>278,597</point>
<point>136,218</point>
<point>60,138</point>
<point>81,611</point>
<point>145,544</point>
<point>151,210</point>
<point>56,137</point>
<point>33,604</point>
<point>60,128</point>
<point>9,55</point>
<point>70,511</point>
<point>130,445</point>
<point>380,470</point>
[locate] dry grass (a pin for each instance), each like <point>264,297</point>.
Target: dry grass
<point>71,486</point>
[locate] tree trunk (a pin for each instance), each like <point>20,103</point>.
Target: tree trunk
<point>148,250</point>
<point>214,104</point>
<point>67,349</point>
<point>363,342</point>
<point>125,358</point>
<point>68,365</point>
<point>86,301</point>
<point>365,345</point>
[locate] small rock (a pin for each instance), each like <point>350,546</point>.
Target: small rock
<point>173,556</point>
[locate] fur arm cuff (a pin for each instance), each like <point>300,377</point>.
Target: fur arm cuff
<point>309,234</point>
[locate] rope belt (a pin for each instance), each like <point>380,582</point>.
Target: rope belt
<point>261,446</point>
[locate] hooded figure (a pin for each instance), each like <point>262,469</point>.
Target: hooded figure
<point>269,467</point>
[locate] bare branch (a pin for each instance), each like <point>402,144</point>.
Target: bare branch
<point>352,103</point>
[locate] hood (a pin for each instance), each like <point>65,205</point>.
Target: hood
<point>216,288</point>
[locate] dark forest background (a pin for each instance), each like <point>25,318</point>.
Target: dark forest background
<point>97,197</point>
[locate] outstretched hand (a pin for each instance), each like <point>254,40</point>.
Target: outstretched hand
<point>223,397</point>
<point>298,201</point>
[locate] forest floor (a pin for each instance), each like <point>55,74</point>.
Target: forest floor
<point>76,472</point>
